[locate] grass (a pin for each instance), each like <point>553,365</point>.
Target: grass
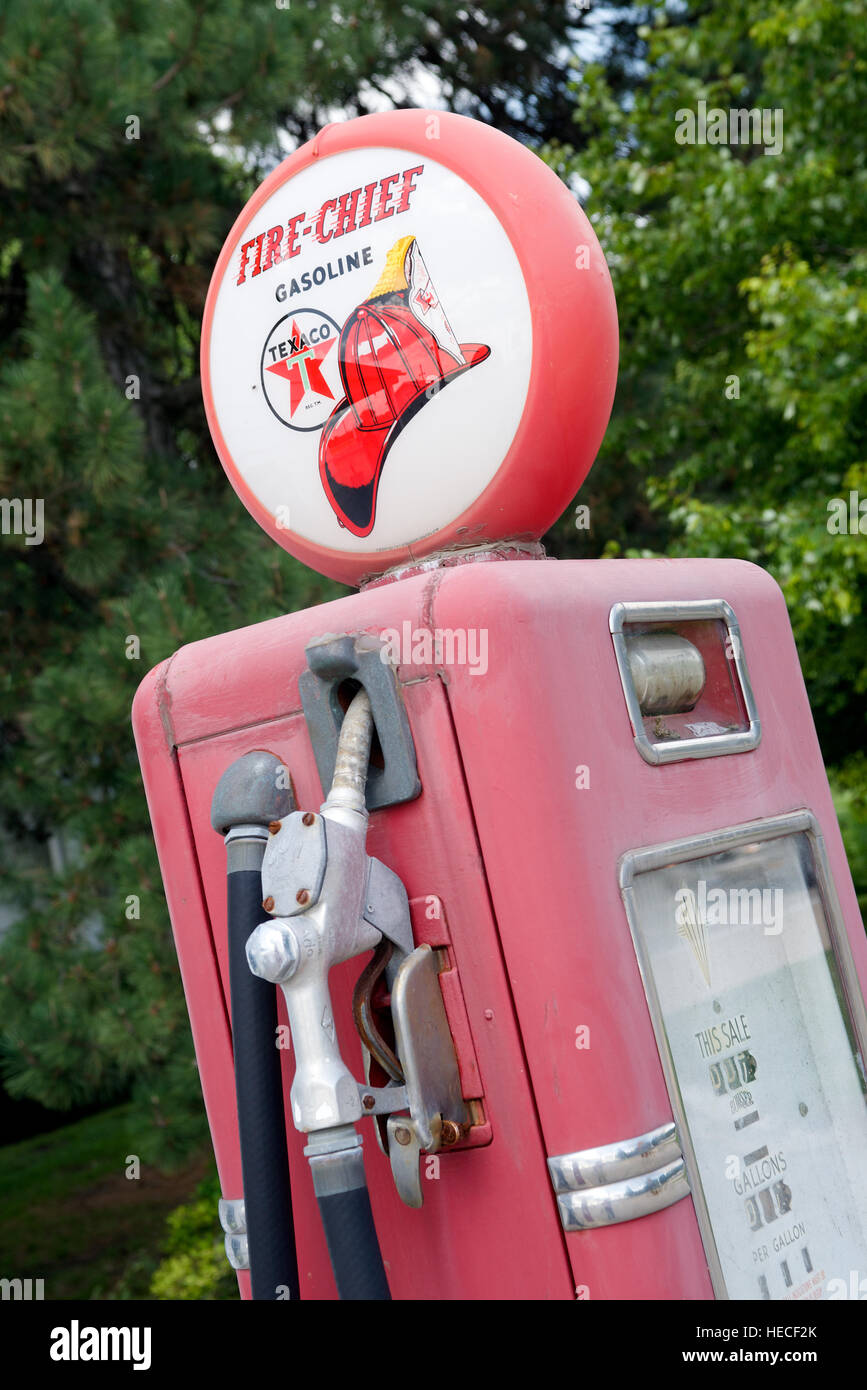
<point>72,1217</point>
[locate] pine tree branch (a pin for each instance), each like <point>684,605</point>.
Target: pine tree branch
<point>231,100</point>
<point>185,57</point>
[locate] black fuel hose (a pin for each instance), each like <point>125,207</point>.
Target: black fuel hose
<point>259,1091</point>
<point>347,1219</point>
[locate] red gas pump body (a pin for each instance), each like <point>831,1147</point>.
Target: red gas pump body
<point>533,791</point>
<point>408,360</point>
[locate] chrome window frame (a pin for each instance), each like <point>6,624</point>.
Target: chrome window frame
<point>641,861</point>
<point>684,610</point>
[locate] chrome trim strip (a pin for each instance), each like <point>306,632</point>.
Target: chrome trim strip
<point>609,1163</point>
<point>233,1219</point>
<point>624,1201</point>
<point>233,1215</point>
<point>695,610</point>
<point>237,1251</point>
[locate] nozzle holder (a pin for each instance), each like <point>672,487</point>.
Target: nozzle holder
<point>333,659</point>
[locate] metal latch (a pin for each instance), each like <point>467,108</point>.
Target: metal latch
<point>438,1111</point>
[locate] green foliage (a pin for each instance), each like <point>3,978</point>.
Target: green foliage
<point>741,284</point>
<point>48,1182</point>
<point>195,1264</point>
<point>849,787</point>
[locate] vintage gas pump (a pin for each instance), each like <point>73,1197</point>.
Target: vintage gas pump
<point>540,970</point>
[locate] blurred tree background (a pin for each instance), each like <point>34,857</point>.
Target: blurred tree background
<point>741,282</point>
<point>131,134</point>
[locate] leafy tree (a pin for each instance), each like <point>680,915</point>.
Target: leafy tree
<point>741,283</point>
<point>131,132</point>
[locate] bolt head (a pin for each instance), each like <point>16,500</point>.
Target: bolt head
<point>268,904</point>
<point>402,1135</point>
<point>308,818</point>
<point>302,896</point>
<point>369,1102</point>
<point>274,827</point>
<point>273,952</point>
<point>451,1132</point>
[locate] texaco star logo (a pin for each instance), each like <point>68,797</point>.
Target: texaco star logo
<point>299,369</point>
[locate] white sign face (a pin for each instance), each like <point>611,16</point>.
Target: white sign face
<point>370,350</point>
<point>768,1072</point>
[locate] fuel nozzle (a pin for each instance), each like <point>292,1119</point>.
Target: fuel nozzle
<point>330,902</point>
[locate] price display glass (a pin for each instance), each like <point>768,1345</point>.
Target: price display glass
<point>760,1025</point>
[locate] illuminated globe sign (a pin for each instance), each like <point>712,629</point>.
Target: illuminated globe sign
<point>409,344</point>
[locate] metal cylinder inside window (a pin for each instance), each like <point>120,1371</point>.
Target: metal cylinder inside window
<point>667,672</point>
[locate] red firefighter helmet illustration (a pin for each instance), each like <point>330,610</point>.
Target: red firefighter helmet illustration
<point>396,352</point>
